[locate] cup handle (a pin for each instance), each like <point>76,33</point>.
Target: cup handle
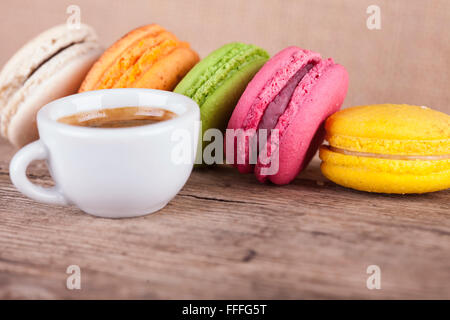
<point>17,171</point>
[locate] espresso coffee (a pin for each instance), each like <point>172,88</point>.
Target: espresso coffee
<point>118,117</point>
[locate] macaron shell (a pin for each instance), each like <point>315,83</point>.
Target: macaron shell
<point>385,175</point>
<point>261,79</point>
<point>167,72</point>
<point>217,109</point>
<point>390,129</point>
<point>121,68</point>
<point>58,77</point>
<point>194,79</point>
<point>232,62</point>
<point>319,94</point>
<point>130,61</point>
<point>114,53</point>
<point>391,121</point>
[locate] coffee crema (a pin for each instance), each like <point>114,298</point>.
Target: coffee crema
<point>122,117</point>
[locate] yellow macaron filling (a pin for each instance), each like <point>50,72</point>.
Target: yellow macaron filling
<point>392,147</point>
<point>389,156</point>
<point>418,165</point>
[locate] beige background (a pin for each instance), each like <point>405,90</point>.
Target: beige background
<point>407,61</point>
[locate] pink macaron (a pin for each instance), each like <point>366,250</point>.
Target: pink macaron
<point>291,95</point>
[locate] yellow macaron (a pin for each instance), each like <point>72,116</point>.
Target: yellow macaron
<point>388,148</point>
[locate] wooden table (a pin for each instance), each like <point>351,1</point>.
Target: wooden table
<point>227,236</point>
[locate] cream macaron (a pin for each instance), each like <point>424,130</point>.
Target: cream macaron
<point>50,66</point>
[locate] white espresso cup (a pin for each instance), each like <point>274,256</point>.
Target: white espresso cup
<point>112,172</point>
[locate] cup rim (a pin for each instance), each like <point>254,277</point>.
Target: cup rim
<point>44,117</point>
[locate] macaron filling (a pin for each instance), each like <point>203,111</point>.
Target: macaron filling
<point>52,56</point>
<point>279,104</point>
<point>387,156</point>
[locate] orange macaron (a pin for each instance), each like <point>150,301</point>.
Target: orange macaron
<point>147,57</point>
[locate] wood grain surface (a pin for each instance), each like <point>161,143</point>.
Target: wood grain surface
<point>227,236</point>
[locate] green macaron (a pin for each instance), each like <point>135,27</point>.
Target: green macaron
<point>217,82</point>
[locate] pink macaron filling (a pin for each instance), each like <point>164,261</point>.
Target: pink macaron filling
<point>279,104</point>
